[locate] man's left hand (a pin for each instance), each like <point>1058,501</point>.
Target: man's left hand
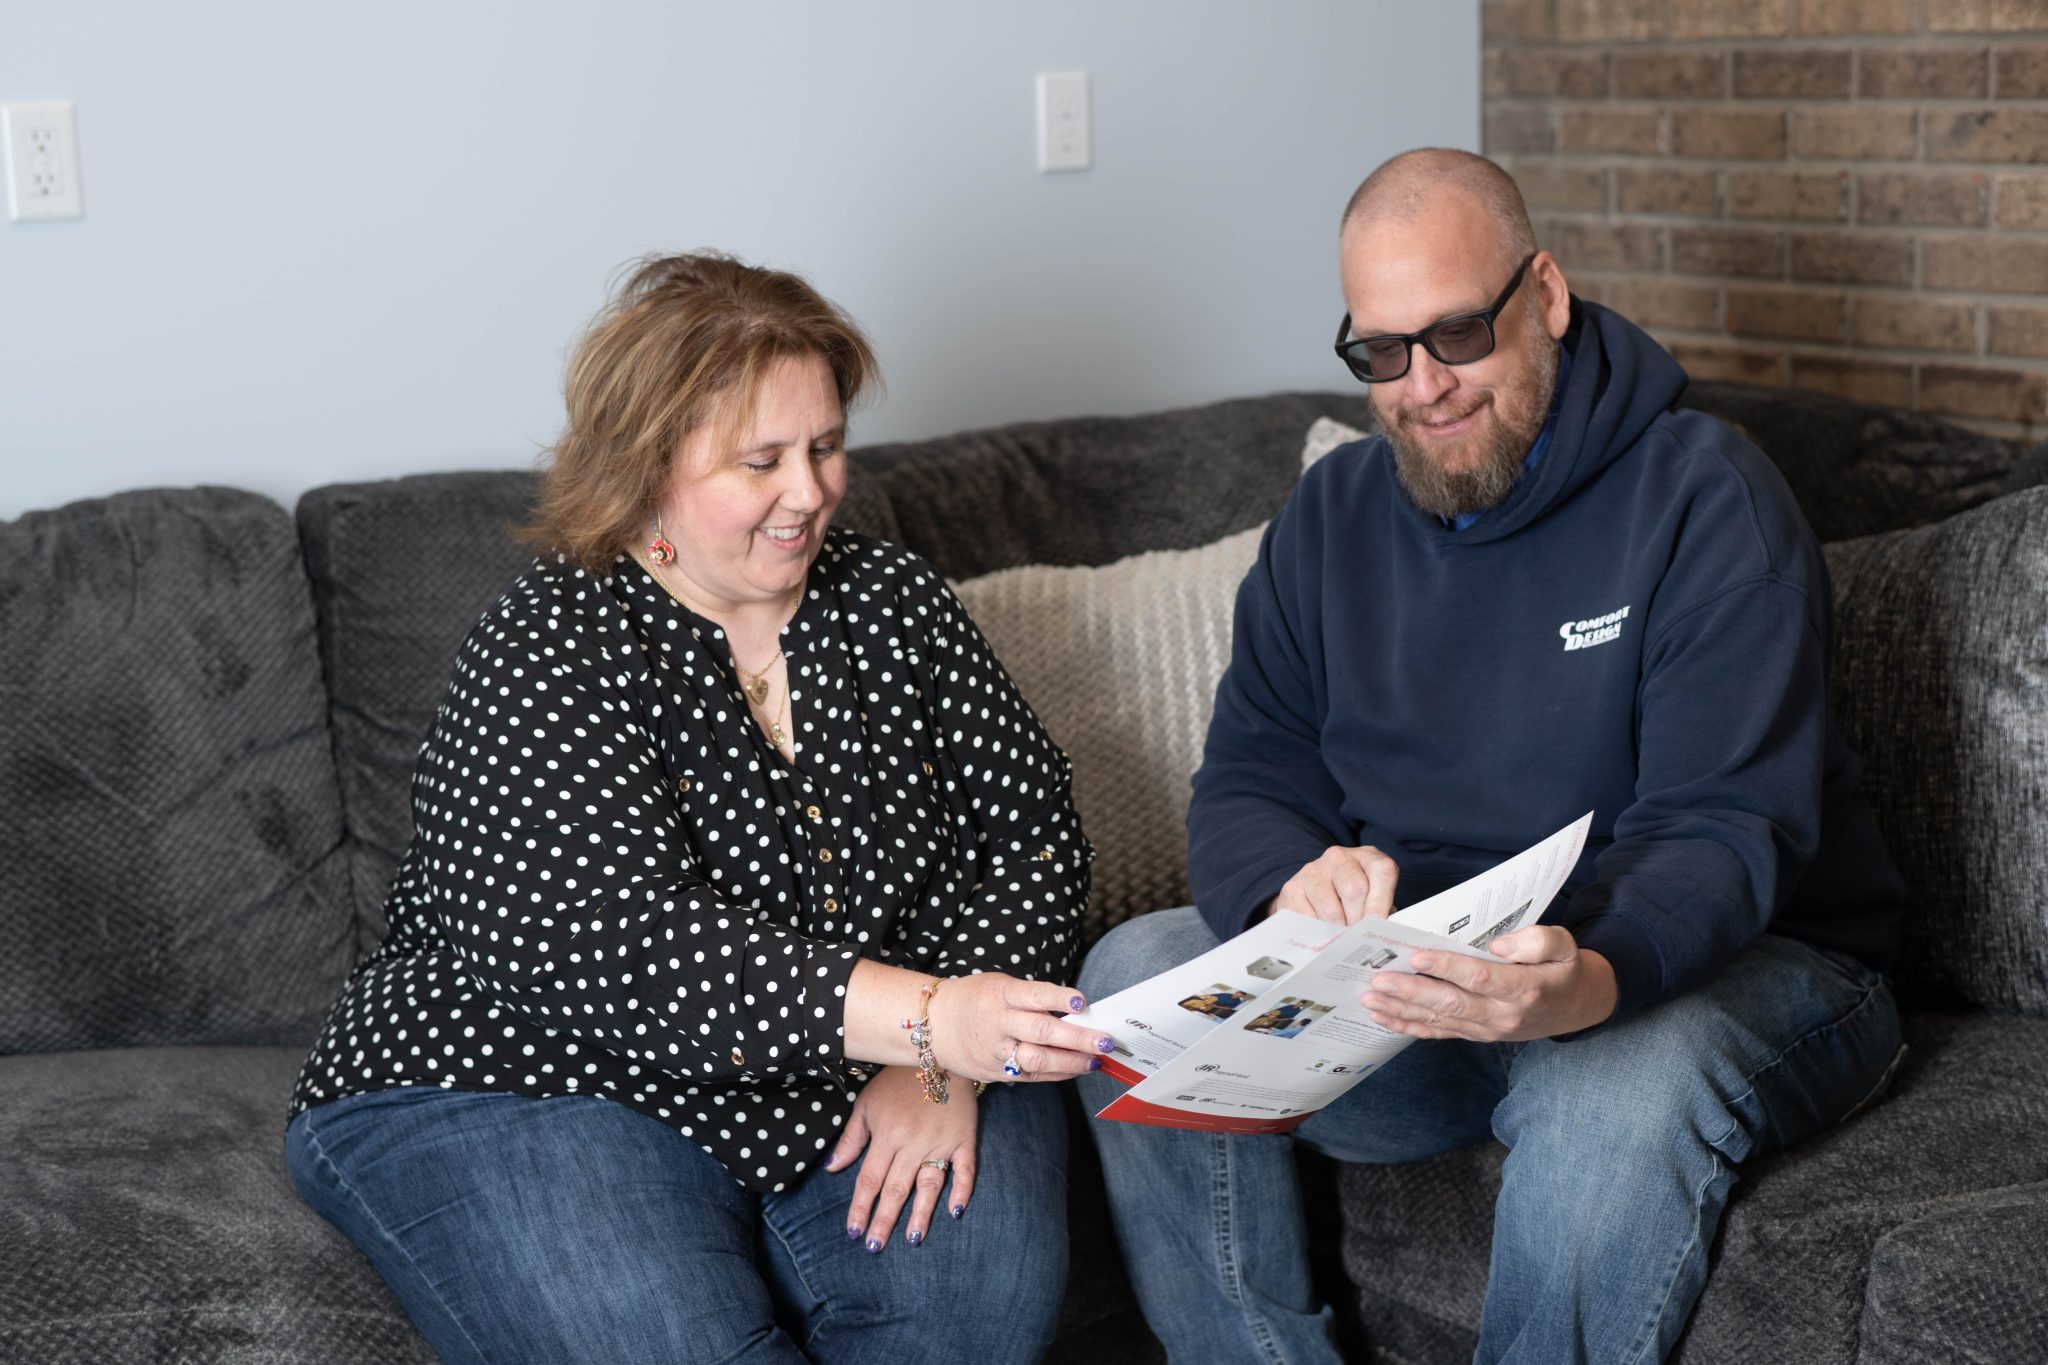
<point>1548,986</point>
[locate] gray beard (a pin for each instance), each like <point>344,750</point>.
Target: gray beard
<point>1452,494</point>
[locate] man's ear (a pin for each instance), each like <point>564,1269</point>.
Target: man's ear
<point>1555,293</point>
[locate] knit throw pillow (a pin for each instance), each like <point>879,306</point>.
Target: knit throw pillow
<point>1120,661</point>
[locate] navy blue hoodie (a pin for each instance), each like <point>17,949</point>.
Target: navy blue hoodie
<point>1640,630</point>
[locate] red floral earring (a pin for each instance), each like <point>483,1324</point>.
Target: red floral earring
<point>658,549</point>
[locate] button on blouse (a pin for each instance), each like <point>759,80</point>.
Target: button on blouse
<point>610,887</point>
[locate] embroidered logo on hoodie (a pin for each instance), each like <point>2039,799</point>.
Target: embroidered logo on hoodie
<point>1596,631</point>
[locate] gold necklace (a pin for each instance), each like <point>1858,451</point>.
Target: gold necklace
<point>754,682</point>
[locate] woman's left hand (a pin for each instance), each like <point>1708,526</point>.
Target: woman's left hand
<point>905,1136</point>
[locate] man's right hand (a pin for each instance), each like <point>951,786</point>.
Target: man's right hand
<point>1343,886</point>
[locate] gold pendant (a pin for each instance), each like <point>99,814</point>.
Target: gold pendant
<point>775,735</point>
<point>757,690</point>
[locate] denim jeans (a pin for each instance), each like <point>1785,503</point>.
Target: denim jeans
<point>1623,1141</point>
<point>577,1229</point>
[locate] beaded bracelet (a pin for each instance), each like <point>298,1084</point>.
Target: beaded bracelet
<point>928,1074</point>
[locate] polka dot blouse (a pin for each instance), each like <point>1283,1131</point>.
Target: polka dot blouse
<point>616,886</point>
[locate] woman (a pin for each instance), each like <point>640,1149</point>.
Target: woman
<point>738,866</point>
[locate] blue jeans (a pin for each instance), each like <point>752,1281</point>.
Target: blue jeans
<point>1623,1147</point>
<point>577,1229</point>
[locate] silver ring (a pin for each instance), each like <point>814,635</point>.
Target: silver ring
<point>1010,1067</point>
<point>937,1163</point>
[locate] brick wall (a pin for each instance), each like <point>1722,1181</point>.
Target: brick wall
<point>1846,195</point>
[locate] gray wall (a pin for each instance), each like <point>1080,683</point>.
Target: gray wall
<point>345,243</point>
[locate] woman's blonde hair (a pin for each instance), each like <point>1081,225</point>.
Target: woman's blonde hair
<point>681,345</point>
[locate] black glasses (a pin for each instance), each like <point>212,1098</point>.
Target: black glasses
<point>1453,341</point>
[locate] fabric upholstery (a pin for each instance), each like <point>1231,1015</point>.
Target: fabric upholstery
<point>146,1214</point>
<point>1958,1132</point>
<point>1941,686</point>
<point>1091,490</point>
<point>1858,469</point>
<point>171,816</point>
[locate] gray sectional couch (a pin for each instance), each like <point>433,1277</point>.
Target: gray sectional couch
<point>208,714</point>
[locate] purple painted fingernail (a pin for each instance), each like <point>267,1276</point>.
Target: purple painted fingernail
<point>853,1232</point>
<point>874,1247</point>
<point>914,1237</point>
<point>1105,1044</point>
<point>1077,1004</point>
<point>1095,1063</point>
<point>959,1209</point>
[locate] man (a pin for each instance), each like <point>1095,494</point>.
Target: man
<point>1543,590</point>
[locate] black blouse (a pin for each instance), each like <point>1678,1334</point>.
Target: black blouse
<point>616,886</point>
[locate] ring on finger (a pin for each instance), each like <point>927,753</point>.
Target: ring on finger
<point>937,1163</point>
<point>1010,1067</point>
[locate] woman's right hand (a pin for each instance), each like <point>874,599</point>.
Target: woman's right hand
<point>980,1022</point>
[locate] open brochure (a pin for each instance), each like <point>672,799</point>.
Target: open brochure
<point>1259,1033</point>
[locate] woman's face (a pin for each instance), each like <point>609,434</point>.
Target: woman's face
<point>748,514</point>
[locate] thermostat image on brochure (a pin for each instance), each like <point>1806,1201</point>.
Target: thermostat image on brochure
<point>1269,967</point>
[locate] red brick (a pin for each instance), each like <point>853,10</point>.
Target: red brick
<point>1793,73</point>
<point>1602,129</point>
<point>1588,21</point>
<point>1789,194</point>
<point>1986,16</point>
<point>1730,364</point>
<point>1607,246</point>
<point>1561,185</point>
<point>1852,258</point>
<point>1728,133</point>
<point>1576,75</point>
<point>1836,17</point>
<point>1992,265</point>
<point>2019,331</point>
<point>1674,304</point>
<point>1658,189</point>
<point>1671,75</point>
<point>1866,381</point>
<point>1913,324</point>
<point>1931,200</point>
<point>1857,132</point>
<point>1749,253</point>
<point>1731,18</point>
<point>1923,73</point>
<point>2023,201</point>
<point>2023,72</point>
<point>1512,128</point>
<point>1514,21</point>
<point>1786,314</point>
<point>1988,135</point>
<point>1974,391</point>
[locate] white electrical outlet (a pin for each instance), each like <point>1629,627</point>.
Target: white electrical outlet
<point>1064,143</point>
<point>42,160</point>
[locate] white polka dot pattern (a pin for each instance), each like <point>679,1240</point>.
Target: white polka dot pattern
<point>615,886</point>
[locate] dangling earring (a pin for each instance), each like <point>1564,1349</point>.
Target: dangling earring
<point>658,549</point>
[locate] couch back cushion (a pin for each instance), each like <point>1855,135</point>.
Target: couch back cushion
<point>1941,686</point>
<point>171,818</point>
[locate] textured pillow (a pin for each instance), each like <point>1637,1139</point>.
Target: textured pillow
<point>1121,662</point>
<point>1941,686</point>
<point>168,812</point>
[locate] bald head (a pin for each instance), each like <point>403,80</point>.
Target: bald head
<point>1418,186</point>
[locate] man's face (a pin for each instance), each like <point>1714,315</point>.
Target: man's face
<point>1459,432</point>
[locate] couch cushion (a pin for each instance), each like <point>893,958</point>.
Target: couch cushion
<point>146,1214</point>
<point>171,810</point>
<point>1856,468</point>
<point>1942,1287</point>
<point>1090,490</point>
<point>1804,1229</point>
<point>1941,686</point>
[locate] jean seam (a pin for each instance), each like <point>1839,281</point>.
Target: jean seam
<point>319,1151</point>
<point>1648,1341</point>
<point>1226,1245</point>
<point>1835,1025</point>
<point>796,1262</point>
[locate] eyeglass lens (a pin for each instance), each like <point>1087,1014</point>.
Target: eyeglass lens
<point>1455,341</point>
